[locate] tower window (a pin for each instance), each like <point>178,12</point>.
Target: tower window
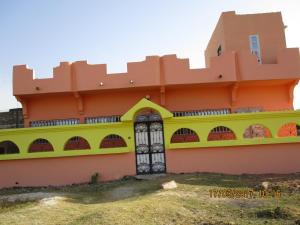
<point>255,46</point>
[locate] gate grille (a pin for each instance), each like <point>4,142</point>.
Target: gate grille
<point>149,143</point>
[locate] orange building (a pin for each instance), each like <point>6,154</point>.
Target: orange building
<point>234,79</point>
<point>248,70</point>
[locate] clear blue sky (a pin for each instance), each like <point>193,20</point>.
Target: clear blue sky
<point>43,33</point>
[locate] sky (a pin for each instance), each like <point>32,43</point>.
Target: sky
<point>43,33</point>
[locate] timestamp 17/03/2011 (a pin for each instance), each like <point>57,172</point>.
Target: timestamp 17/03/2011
<point>243,193</point>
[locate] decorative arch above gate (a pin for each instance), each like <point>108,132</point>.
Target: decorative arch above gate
<point>144,104</point>
<point>149,138</point>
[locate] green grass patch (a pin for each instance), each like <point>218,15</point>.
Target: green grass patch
<point>131,201</point>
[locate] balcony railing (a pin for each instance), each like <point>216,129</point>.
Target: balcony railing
<point>73,121</point>
<point>60,122</point>
<point>203,112</point>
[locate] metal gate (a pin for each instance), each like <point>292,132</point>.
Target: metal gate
<point>149,144</point>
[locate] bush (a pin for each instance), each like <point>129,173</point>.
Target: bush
<point>94,178</point>
<point>297,222</point>
<point>277,213</point>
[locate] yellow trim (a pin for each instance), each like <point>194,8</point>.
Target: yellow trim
<point>202,125</point>
<point>143,104</point>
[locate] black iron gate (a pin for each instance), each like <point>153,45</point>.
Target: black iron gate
<point>149,144</point>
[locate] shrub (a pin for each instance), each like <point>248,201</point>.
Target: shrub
<point>277,213</point>
<point>94,178</point>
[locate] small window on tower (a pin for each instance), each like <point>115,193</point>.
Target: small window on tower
<point>219,51</point>
<point>255,47</point>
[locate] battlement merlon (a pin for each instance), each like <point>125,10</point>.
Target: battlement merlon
<point>24,81</point>
<point>156,71</point>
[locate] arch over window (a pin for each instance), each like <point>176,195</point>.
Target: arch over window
<point>8,147</point>
<point>77,143</point>
<point>112,141</point>
<point>221,133</point>
<point>289,130</point>
<point>40,145</point>
<point>257,131</point>
<point>183,135</point>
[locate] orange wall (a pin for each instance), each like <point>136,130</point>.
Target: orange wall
<point>270,98</point>
<point>64,106</point>
<point>177,98</point>
<point>64,171</point>
<point>193,98</point>
<point>232,32</point>
<point>233,80</point>
<point>256,159</point>
<point>52,106</point>
<point>170,82</point>
<point>217,38</point>
<point>115,103</point>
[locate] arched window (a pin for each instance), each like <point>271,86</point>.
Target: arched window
<point>77,143</point>
<point>257,131</point>
<point>221,133</point>
<point>40,145</point>
<point>289,130</point>
<point>184,135</point>
<point>112,141</point>
<point>8,147</point>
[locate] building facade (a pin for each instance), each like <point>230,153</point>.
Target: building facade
<point>234,116</point>
<point>11,119</point>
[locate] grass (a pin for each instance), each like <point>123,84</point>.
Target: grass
<point>130,201</point>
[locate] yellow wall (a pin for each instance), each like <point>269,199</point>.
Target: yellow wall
<point>202,125</point>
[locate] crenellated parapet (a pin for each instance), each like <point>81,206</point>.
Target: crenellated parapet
<point>157,71</point>
<point>24,81</point>
<point>286,66</point>
<point>81,76</point>
<point>95,77</point>
<point>177,71</point>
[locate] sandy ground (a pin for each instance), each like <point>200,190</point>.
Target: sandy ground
<point>45,198</point>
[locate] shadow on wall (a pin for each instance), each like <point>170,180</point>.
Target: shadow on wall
<point>8,147</point>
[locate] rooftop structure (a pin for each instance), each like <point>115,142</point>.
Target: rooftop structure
<point>248,66</point>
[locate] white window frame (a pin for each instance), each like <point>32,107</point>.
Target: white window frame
<point>255,51</point>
